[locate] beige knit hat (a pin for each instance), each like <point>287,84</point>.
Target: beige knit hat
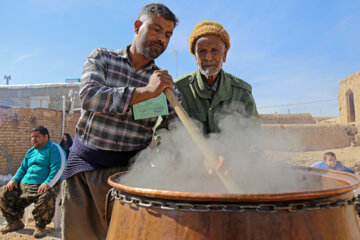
<point>206,28</point>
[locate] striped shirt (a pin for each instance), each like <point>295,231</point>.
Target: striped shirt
<point>107,85</point>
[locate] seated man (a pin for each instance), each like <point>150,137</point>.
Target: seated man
<point>36,181</point>
<point>210,91</point>
<point>330,162</point>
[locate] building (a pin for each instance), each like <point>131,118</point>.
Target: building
<point>349,98</point>
<point>49,95</point>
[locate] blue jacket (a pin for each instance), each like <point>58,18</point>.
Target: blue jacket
<point>339,166</point>
<point>45,165</point>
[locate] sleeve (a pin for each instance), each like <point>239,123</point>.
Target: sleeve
<point>20,173</point>
<point>316,165</point>
<point>250,106</point>
<point>95,96</point>
<point>350,170</point>
<point>57,164</point>
<point>346,169</point>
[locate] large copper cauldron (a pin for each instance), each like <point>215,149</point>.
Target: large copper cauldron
<point>328,213</point>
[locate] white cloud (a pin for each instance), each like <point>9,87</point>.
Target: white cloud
<point>23,57</point>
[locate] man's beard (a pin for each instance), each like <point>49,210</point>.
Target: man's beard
<point>151,52</point>
<point>210,71</point>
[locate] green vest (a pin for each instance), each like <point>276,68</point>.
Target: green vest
<point>233,94</point>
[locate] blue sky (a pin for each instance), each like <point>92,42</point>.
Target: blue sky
<point>289,51</point>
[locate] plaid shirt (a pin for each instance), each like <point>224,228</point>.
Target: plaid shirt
<point>107,85</point>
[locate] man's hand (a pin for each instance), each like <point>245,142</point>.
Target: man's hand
<point>159,80</point>
<point>43,188</point>
<point>11,185</point>
<point>218,167</point>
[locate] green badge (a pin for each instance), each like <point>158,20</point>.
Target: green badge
<point>153,107</point>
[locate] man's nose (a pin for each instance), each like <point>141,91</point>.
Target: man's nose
<point>208,56</point>
<point>162,38</point>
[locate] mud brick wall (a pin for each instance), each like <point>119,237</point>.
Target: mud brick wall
<point>297,118</point>
<point>306,137</point>
<point>347,85</point>
<point>15,126</point>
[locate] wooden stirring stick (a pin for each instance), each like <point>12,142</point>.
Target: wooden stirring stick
<point>199,140</point>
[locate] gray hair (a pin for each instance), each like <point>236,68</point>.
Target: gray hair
<point>161,10</point>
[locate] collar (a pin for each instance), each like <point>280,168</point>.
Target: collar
<point>124,54</point>
<point>214,86</point>
<point>223,92</point>
<point>200,85</point>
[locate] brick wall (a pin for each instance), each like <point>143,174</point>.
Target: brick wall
<point>15,126</point>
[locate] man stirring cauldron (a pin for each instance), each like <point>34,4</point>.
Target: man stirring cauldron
<point>108,135</point>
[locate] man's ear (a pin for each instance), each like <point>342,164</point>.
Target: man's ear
<point>137,25</point>
<point>224,57</point>
<point>196,60</point>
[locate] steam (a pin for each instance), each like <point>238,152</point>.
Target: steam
<point>177,164</point>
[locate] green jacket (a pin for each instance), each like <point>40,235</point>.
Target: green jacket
<point>233,94</point>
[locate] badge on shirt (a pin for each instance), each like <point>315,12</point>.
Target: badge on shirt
<point>153,107</point>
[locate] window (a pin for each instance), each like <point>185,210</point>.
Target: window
<point>39,102</point>
<point>44,103</point>
<point>34,103</point>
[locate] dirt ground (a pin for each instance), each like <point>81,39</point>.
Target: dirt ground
<point>349,156</point>
<point>27,232</point>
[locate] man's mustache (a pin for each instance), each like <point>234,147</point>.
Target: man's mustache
<point>157,43</point>
<point>210,64</point>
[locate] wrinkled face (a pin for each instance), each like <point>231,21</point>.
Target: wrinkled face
<point>330,161</point>
<point>152,34</point>
<point>38,140</point>
<point>210,55</point>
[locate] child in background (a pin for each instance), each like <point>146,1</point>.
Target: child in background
<point>330,162</point>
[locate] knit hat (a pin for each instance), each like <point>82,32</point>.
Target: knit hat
<point>206,28</point>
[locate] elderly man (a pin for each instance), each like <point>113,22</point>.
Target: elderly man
<point>36,181</point>
<point>210,91</point>
<point>109,134</point>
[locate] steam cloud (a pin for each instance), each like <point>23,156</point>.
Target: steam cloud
<point>177,164</point>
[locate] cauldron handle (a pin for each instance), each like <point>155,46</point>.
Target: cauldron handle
<point>199,140</point>
<point>108,207</point>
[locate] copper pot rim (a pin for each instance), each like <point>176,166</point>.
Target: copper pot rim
<point>352,181</point>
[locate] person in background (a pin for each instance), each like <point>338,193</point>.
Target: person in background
<point>66,143</point>
<point>209,91</point>
<point>330,162</point>
<point>107,134</point>
<point>36,181</point>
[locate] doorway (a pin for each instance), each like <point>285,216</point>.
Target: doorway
<point>350,106</point>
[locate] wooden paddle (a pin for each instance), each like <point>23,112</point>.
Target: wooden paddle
<point>199,140</point>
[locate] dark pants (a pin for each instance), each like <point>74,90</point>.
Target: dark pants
<point>12,204</point>
<point>83,208</point>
